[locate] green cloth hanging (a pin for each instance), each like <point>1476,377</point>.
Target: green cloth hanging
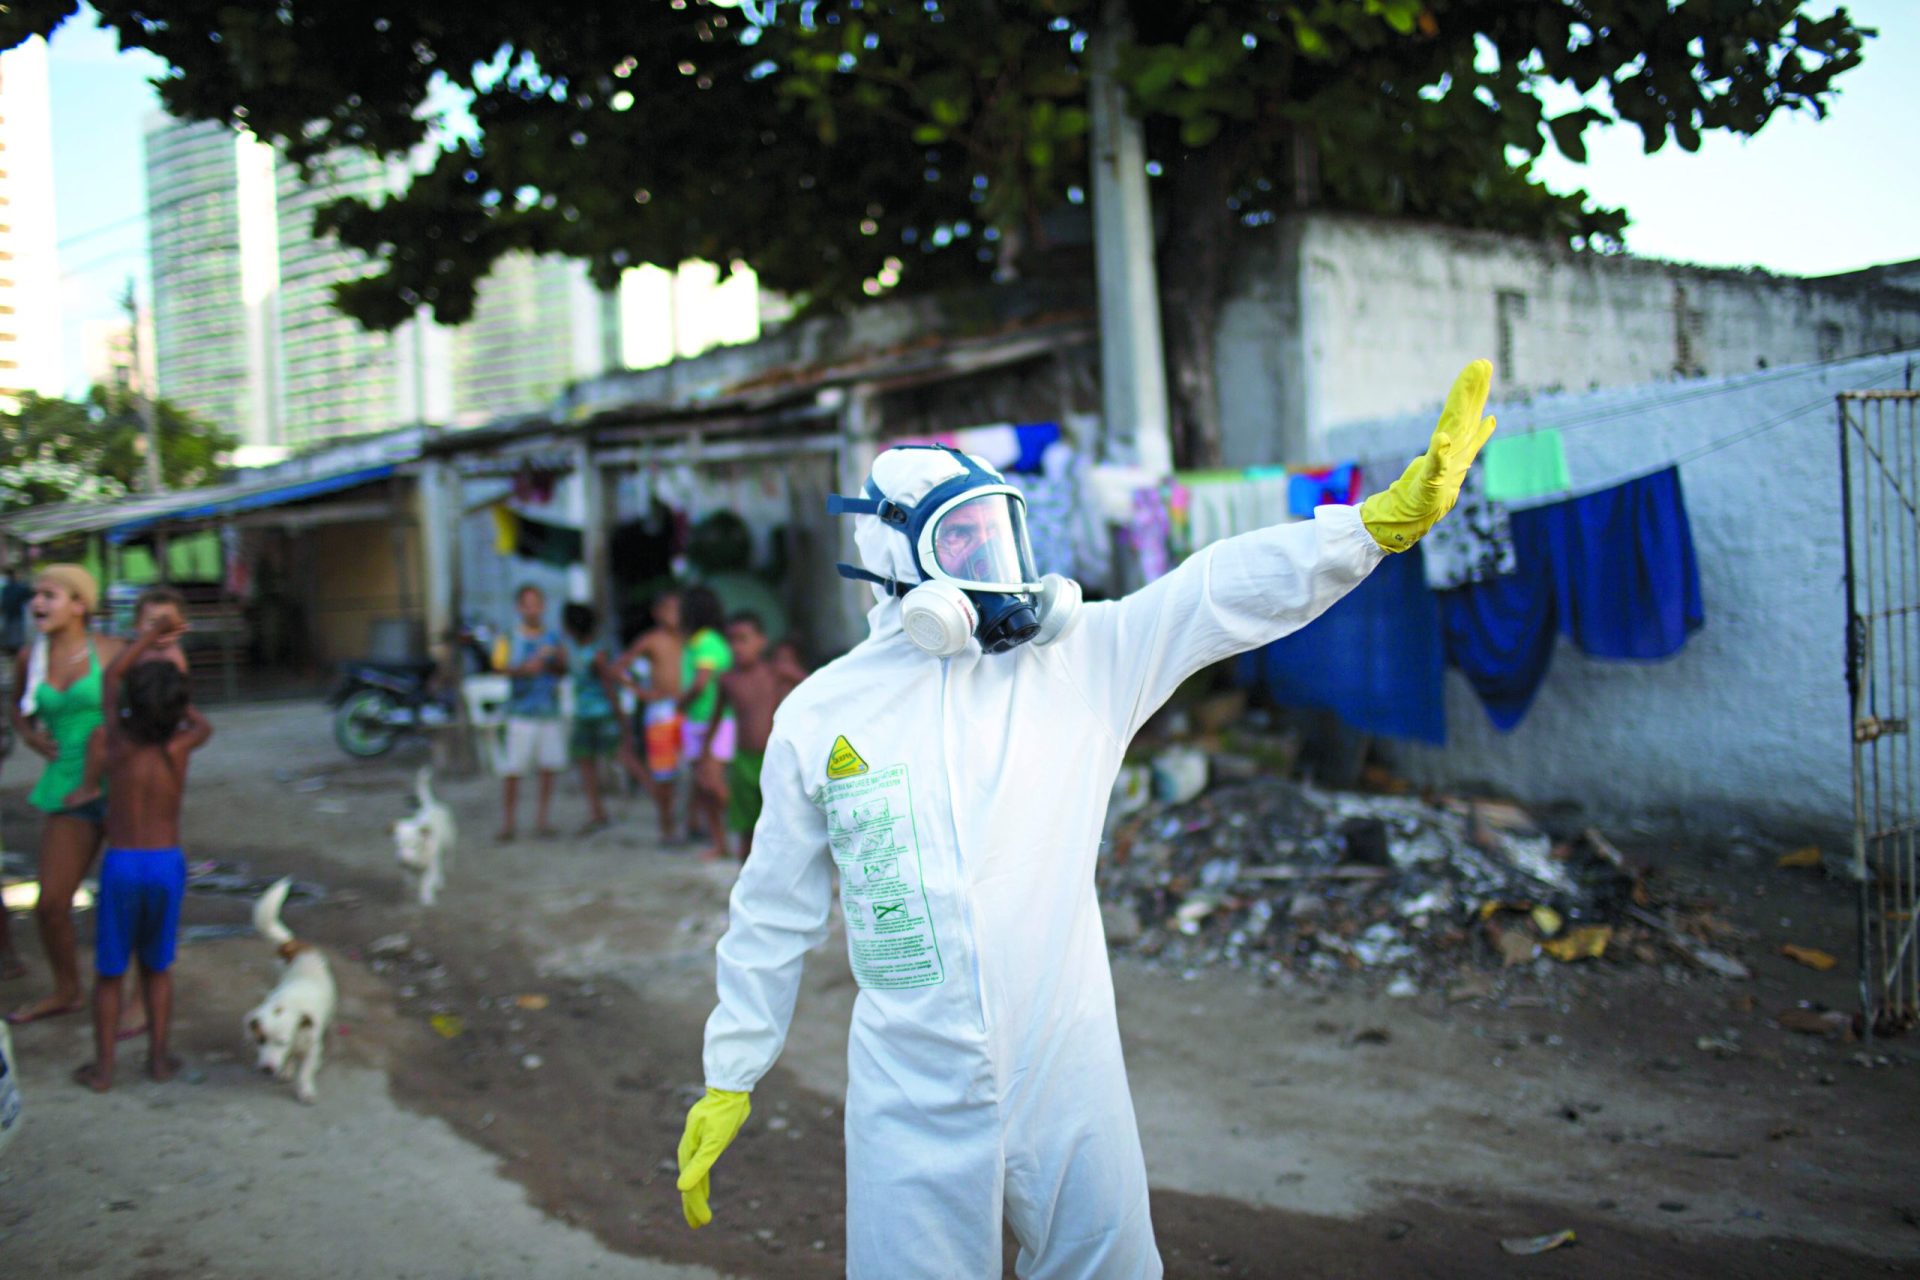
<point>1529,464</point>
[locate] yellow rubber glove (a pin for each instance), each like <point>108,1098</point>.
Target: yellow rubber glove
<point>712,1125</point>
<point>1428,488</point>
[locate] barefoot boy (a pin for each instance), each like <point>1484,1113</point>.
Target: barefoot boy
<point>650,745</point>
<point>151,730</point>
<point>162,608</point>
<point>753,689</point>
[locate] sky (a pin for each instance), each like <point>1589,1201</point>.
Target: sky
<point>1804,197</point>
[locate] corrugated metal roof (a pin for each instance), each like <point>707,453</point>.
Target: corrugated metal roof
<point>127,517</point>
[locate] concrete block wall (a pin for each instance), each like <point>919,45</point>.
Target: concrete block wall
<point>1748,726</point>
<point>1342,319</point>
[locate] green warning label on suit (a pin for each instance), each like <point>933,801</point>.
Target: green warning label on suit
<point>891,938</point>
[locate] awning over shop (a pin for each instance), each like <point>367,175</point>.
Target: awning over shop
<point>208,504</point>
<point>129,518</point>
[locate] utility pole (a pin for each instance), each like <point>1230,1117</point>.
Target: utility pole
<point>1133,362</point>
<point>142,394</point>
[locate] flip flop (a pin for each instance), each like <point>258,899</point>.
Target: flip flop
<point>20,1017</point>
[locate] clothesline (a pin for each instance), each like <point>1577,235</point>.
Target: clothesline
<point>1746,382</point>
<point>1691,455</point>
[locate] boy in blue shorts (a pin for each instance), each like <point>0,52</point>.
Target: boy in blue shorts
<point>152,728</point>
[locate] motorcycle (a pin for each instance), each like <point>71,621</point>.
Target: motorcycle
<point>375,704</point>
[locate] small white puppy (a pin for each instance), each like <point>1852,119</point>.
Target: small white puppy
<point>289,1027</point>
<point>424,841</point>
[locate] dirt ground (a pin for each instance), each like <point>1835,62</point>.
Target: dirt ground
<point>1290,1129</point>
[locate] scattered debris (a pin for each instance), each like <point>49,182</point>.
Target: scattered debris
<point>1179,774</point>
<point>1526,1245</point>
<point>533,1001</point>
<point>1588,942</point>
<point>214,932</point>
<point>1805,856</point>
<point>233,878</point>
<point>1812,957</point>
<point>1831,1023</point>
<point>448,1025</point>
<point>1726,1046</point>
<point>1275,875</point>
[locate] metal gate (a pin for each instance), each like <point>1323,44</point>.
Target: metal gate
<point>1880,487</point>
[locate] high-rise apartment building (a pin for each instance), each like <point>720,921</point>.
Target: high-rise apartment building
<point>337,379</point>
<point>213,235</point>
<point>538,325</point>
<point>30,356</point>
<point>248,336</point>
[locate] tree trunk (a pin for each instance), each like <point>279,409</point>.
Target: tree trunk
<point>1195,257</point>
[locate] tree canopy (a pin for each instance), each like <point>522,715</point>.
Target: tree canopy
<point>845,148</point>
<point>54,450</point>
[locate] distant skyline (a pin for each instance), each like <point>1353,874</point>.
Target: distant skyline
<point>1805,197</point>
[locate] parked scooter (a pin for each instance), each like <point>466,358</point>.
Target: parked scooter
<point>378,703</point>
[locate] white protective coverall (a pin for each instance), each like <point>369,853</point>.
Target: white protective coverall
<point>961,802</point>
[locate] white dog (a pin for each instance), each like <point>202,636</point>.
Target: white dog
<point>424,842</point>
<point>289,1027</point>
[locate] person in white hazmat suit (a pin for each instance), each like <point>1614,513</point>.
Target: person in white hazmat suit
<point>952,773</point>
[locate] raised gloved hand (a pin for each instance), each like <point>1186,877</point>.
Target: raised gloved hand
<point>1427,489</point>
<point>712,1125</point>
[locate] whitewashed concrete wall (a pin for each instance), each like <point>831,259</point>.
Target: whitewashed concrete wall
<point>1748,725</point>
<point>1342,319</point>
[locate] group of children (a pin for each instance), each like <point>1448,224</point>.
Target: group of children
<point>693,688</point>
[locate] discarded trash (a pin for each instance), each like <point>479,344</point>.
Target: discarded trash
<point>1179,774</point>
<point>1525,1245</point>
<point>1812,957</point>
<point>1831,1023</point>
<point>1132,790</point>
<point>1403,988</point>
<point>448,1025</point>
<point>1588,942</point>
<point>1718,1046</point>
<point>533,1001</point>
<point>1399,889</point>
<point>532,1062</point>
<point>214,932</point>
<point>392,944</point>
<point>1805,856</point>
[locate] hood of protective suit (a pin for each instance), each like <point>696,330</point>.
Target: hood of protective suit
<point>905,476</point>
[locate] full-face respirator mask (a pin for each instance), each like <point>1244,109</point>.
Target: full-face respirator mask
<point>968,542</point>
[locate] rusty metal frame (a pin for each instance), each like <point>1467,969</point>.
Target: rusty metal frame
<point>1880,506</point>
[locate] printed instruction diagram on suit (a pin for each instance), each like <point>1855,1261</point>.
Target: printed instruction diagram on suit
<point>891,939</point>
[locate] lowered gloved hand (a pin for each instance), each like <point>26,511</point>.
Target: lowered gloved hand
<point>712,1125</point>
<point>1427,489</point>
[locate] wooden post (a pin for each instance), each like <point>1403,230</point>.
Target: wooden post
<point>437,513</point>
<point>596,549</point>
<point>230,624</point>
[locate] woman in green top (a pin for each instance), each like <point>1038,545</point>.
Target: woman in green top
<point>58,709</point>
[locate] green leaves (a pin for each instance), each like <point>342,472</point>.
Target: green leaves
<point>822,150</point>
<point>54,450</point>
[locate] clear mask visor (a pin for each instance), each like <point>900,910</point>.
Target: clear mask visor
<point>981,542</point>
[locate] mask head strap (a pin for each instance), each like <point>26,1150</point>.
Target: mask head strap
<point>894,587</point>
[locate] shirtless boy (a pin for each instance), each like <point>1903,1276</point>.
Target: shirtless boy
<point>151,730</point>
<point>162,608</point>
<point>753,689</point>
<point>650,671</point>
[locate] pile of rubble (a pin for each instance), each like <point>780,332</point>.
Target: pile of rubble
<point>1271,875</point>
